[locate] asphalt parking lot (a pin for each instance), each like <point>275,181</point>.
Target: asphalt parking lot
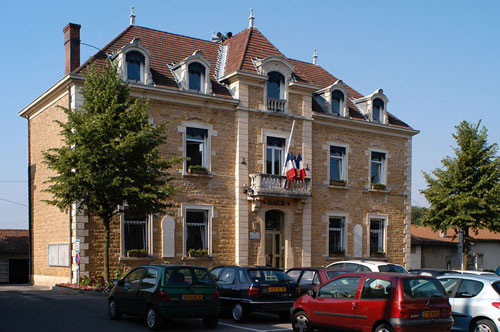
<point>25,308</point>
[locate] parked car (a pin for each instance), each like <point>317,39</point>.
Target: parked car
<point>475,301</point>
<point>244,290</point>
<point>432,272</point>
<point>478,273</point>
<point>497,272</point>
<point>375,302</point>
<point>310,277</point>
<point>156,292</point>
<point>367,266</point>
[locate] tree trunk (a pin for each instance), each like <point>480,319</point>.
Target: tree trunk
<point>106,249</point>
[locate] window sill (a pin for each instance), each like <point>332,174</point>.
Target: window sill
<point>386,190</point>
<point>145,258</point>
<point>201,258</point>
<point>338,186</point>
<point>335,257</point>
<point>198,175</point>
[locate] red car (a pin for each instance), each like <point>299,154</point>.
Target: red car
<point>375,302</point>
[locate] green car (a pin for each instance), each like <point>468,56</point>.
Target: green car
<point>156,292</point>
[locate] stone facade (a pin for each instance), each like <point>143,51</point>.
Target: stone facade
<point>240,218</point>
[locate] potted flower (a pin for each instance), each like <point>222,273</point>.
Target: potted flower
<point>137,253</point>
<point>197,169</point>
<point>378,254</point>
<point>338,182</point>
<point>378,186</point>
<point>197,252</point>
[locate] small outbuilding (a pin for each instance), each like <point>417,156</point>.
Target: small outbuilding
<point>14,249</point>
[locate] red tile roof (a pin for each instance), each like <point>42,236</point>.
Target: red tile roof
<point>14,241</point>
<point>168,48</point>
<point>424,234</point>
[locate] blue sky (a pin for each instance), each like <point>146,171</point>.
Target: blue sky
<point>437,61</point>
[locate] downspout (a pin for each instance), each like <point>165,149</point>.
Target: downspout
<point>70,244</point>
<point>30,228</point>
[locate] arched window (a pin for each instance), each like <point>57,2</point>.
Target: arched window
<point>196,76</point>
<point>275,85</point>
<point>337,102</point>
<point>135,66</point>
<point>378,108</point>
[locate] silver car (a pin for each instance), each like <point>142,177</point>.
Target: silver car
<point>475,301</point>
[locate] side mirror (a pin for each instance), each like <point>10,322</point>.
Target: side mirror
<point>120,282</point>
<point>311,293</point>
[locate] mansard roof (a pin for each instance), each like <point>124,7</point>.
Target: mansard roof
<point>242,50</point>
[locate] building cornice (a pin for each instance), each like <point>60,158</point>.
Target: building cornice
<point>365,126</point>
<point>136,90</point>
<point>244,74</point>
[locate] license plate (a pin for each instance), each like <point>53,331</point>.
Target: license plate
<point>192,297</point>
<point>431,313</point>
<point>277,289</point>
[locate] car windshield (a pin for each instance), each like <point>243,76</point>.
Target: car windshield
<point>269,276</point>
<point>392,268</point>
<point>422,288</point>
<point>184,277</point>
<point>496,286</point>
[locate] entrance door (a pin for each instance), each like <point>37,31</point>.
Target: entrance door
<point>275,249</point>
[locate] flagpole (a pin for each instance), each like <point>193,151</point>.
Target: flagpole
<point>287,148</point>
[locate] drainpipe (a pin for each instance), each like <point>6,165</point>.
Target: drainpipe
<point>30,230</point>
<point>70,244</point>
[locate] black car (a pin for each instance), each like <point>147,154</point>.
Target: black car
<point>309,277</point>
<point>166,291</point>
<point>244,290</point>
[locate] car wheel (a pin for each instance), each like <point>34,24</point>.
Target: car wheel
<point>483,325</point>
<point>153,319</point>
<point>239,313</point>
<point>301,323</point>
<point>210,322</point>
<point>113,311</point>
<point>384,328</point>
<point>284,315</point>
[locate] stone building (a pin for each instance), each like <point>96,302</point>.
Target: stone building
<point>231,103</point>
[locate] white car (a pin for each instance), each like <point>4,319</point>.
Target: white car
<point>478,273</point>
<point>368,266</point>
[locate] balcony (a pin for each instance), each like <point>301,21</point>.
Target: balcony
<point>276,105</point>
<point>276,185</point>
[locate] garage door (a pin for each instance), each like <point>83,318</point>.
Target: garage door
<point>4,270</point>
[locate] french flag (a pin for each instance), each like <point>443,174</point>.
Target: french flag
<point>290,170</point>
<point>301,173</point>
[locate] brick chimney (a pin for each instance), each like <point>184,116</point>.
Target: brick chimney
<point>71,47</point>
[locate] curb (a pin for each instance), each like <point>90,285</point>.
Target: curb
<point>80,291</point>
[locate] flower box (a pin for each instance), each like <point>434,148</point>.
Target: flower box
<point>196,169</point>
<point>197,252</point>
<point>137,253</point>
<point>379,186</point>
<point>338,183</point>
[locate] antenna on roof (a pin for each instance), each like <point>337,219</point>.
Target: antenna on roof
<point>220,37</point>
<point>251,19</point>
<point>315,58</point>
<point>132,16</point>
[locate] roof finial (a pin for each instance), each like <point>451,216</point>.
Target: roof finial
<point>132,16</point>
<point>251,19</point>
<point>315,58</point>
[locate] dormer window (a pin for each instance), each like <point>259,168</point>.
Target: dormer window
<point>133,62</point>
<point>337,102</point>
<point>196,77</point>
<point>275,91</point>
<point>135,66</point>
<point>378,108</point>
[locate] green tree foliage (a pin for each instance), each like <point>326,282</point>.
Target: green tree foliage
<point>110,154</point>
<point>465,193</point>
<point>417,215</point>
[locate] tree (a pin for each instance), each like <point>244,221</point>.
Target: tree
<point>110,154</point>
<point>417,215</point>
<point>465,193</point>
